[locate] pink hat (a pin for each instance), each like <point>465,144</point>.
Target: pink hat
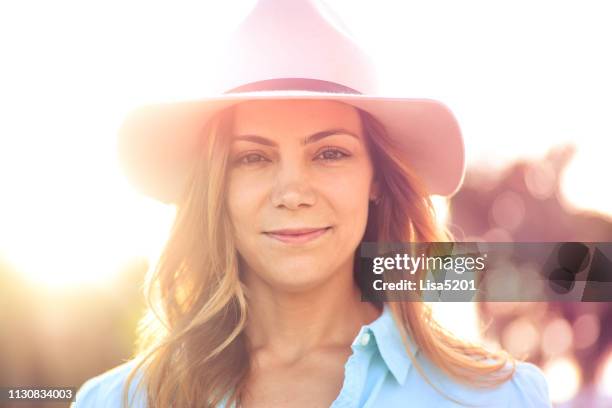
<point>288,49</point>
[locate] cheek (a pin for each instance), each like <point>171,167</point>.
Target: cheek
<point>349,192</point>
<point>238,197</point>
<point>242,194</point>
<point>245,196</point>
<point>349,197</point>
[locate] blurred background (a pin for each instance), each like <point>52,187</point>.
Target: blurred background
<point>529,83</point>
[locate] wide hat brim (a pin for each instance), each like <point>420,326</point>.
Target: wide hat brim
<point>158,143</point>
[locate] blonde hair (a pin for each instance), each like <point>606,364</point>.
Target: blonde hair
<point>192,347</point>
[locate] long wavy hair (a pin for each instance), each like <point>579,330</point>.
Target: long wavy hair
<point>192,347</point>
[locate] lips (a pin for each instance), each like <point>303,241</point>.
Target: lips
<point>297,235</point>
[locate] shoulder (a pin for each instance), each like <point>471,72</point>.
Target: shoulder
<point>526,388</point>
<point>106,389</point>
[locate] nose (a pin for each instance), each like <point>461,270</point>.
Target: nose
<point>293,188</point>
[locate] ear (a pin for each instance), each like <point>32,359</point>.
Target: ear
<point>375,189</point>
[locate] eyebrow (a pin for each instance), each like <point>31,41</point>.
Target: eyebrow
<point>307,140</point>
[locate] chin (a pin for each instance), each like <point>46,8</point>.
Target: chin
<point>297,279</point>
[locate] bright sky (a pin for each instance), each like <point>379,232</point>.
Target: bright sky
<point>521,76</point>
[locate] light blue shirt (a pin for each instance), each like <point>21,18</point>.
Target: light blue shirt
<point>379,373</point>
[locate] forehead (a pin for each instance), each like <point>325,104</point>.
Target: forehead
<point>294,117</point>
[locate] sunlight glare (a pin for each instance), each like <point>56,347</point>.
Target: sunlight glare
<point>564,378</point>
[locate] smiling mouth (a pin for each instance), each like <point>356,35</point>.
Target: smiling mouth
<point>297,236</point>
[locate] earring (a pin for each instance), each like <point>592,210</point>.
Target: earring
<point>376,200</point>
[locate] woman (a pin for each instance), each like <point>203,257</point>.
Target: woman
<point>256,299</point>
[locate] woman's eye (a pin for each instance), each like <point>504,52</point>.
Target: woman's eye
<point>250,158</point>
<point>332,154</point>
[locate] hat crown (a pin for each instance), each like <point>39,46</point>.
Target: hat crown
<point>293,39</point>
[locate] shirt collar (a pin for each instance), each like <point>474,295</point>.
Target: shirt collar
<point>390,344</point>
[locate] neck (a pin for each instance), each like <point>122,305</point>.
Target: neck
<point>292,324</point>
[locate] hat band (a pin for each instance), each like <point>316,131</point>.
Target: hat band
<point>294,84</point>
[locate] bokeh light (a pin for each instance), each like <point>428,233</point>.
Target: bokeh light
<point>604,384</point>
<point>586,330</point>
<point>564,378</point>
<point>540,179</point>
<point>508,210</point>
<point>521,337</point>
<point>557,337</point>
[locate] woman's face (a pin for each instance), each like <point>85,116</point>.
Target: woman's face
<point>300,178</point>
